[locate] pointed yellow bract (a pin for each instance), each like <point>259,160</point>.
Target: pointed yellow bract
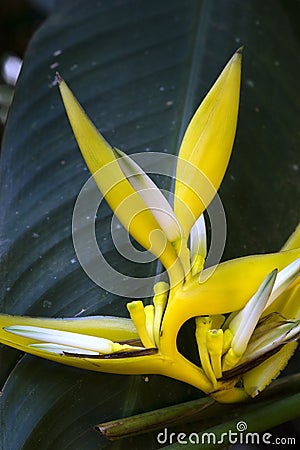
<point>293,241</point>
<point>123,199</point>
<point>207,146</point>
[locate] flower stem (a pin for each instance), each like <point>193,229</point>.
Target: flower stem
<point>153,420</point>
<point>208,415</point>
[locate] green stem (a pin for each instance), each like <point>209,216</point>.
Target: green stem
<point>256,420</point>
<point>153,420</point>
<point>282,397</point>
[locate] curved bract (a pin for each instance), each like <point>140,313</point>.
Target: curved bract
<point>229,289</point>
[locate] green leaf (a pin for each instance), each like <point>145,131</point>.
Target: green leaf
<point>139,68</point>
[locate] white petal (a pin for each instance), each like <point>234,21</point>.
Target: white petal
<point>198,244</point>
<point>284,278</point>
<point>244,323</point>
<point>82,341</point>
<point>151,195</point>
<point>277,336</point>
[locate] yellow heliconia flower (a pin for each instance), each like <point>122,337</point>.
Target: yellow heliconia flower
<point>247,312</point>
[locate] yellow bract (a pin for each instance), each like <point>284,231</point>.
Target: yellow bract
<point>123,199</point>
<point>228,289</point>
<point>206,147</point>
<point>257,379</point>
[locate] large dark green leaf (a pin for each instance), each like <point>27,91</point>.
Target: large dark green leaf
<point>139,68</point>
